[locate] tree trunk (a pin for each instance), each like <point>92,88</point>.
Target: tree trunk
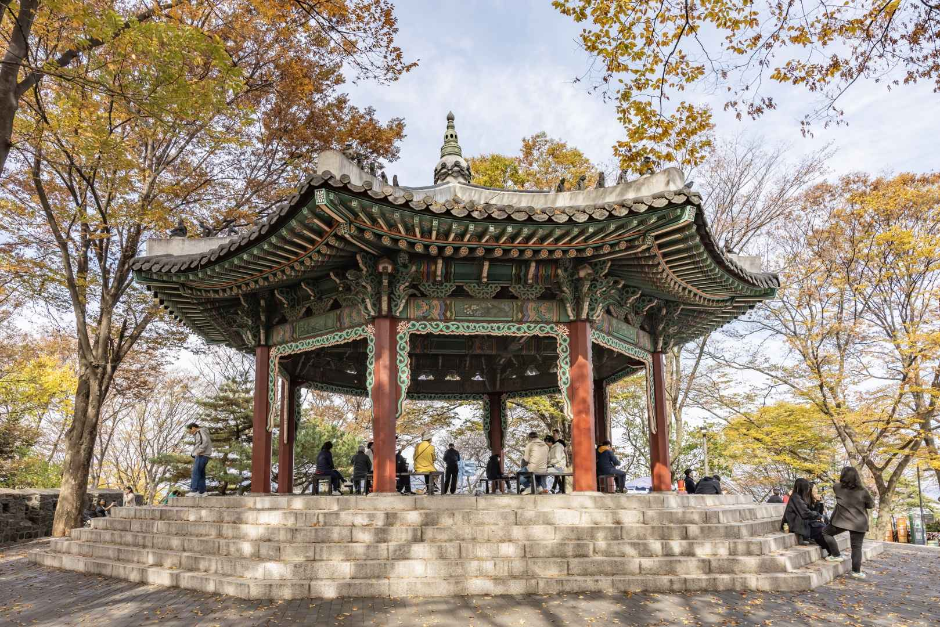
<point>16,53</point>
<point>80,445</point>
<point>884,515</point>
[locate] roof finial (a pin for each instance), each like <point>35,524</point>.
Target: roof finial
<point>452,167</point>
<point>451,146</point>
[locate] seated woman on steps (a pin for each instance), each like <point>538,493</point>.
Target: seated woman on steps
<point>850,514</point>
<point>799,516</point>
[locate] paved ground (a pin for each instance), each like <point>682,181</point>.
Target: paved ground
<point>903,588</point>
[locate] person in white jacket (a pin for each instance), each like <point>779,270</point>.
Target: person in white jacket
<point>130,499</point>
<point>202,450</point>
<point>535,459</point>
<point>557,459</point>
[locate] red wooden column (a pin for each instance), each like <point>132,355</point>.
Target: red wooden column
<point>496,423</point>
<point>496,426</point>
<point>581,397</point>
<point>659,441</point>
<point>601,413</point>
<point>260,436</point>
<point>384,405</point>
<point>285,457</point>
<point>602,422</point>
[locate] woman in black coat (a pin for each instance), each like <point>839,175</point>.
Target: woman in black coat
<point>799,516</point>
<point>850,514</point>
<point>494,472</point>
<point>325,466</point>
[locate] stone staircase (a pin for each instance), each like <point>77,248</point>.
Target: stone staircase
<point>286,547</point>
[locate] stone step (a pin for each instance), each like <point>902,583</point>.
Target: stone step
<point>475,566</point>
<point>728,514</point>
<point>463,502</point>
<point>761,545</point>
<point>801,579</point>
<point>454,533</point>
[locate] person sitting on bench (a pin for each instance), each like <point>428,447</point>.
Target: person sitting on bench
<point>494,473</point>
<point>709,485</point>
<point>424,460</point>
<point>403,484</point>
<point>362,468</point>
<point>535,459</point>
<point>325,467</point>
<point>557,460</point>
<point>607,464</point>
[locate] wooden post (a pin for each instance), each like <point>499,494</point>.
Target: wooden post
<point>602,423</point>
<point>260,436</point>
<point>581,396</point>
<point>496,423</point>
<point>285,457</point>
<point>659,441</point>
<point>601,413</point>
<point>496,426</point>
<point>384,405</point>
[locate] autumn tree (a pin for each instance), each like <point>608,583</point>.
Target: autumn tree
<point>542,162</point>
<point>650,54</point>
<point>154,429</point>
<point>37,385</point>
<point>854,330</point>
<point>208,114</point>
<point>53,41</point>
<point>774,445</point>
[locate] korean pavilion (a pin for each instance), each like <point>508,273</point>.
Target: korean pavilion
<point>450,290</point>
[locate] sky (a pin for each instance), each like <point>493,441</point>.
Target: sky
<point>507,69</point>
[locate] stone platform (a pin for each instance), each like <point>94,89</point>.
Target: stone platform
<point>286,547</point>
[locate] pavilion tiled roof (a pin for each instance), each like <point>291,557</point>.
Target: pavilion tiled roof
<point>525,207</point>
<point>651,233</point>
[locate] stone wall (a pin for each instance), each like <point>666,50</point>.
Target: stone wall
<point>28,514</point>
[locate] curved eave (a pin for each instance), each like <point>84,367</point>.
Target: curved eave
<point>659,242</point>
<point>321,240</point>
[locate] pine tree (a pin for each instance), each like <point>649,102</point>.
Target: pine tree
<point>228,416</point>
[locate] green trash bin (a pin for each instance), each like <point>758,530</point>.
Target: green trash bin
<point>918,532</point>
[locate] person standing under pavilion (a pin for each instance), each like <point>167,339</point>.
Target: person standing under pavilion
<point>451,466</point>
<point>424,457</point>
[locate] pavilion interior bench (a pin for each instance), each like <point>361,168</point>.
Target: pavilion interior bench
<point>532,475</point>
<point>430,479</point>
<point>365,484</point>
<point>318,479</point>
<point>508,479</point>
<point>607,483</point>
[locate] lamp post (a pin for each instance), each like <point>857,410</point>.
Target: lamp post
<point>703,431</point>
<point>921,535</point>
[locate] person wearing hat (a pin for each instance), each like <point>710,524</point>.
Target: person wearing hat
<point>424,459</point>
